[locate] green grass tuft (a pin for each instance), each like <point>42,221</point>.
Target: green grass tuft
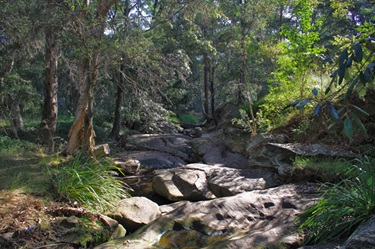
<point>326,169</point>
<point>344,206</point>
<point>90,183</point>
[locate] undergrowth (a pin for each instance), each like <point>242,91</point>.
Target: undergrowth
<point>344,206</point>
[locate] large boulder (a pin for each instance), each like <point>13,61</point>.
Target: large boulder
<point>261,218</point>
<point>199,181</point>
<point>363,237</point>
<point>135,212</point>
<point>181,184</point>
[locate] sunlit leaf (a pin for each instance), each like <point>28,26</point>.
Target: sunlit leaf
<point>333,111</point>
<point>303,104</point>
<point>315,91</point>
<point>316,110</point>
<point>292,104</point>
<point>348,128</point>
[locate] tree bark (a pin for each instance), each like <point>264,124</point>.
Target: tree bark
<point>117,120</point>
<point>50,107</point>
<point>212,92</point>
<point>206,87</point>
<point>16,115</point>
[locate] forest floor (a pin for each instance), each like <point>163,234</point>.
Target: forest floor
<point>29,213</point>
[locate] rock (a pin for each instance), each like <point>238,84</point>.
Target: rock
<point>198,181</point>
<point>236,139</point>
<point>163,185</point>
<point>164,209</point>
<point>119,232</point>
<point>363,237</point>
<point>265,138</point>
<point>224,181</point>
<point>129,166</point>
<point>280,156</point>
<point>261,218</point>
<point>152,159</point>
<point>135,212</point>
<point>192,184</point>
<point>101,150</point>
<point>181,184</point>
<point>212,149</point>
<point>174,144</point>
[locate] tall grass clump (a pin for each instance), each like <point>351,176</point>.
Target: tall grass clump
<point>344,206</point>
<point>89,182</point>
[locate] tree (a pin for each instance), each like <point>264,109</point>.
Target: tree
<point>89,25</point>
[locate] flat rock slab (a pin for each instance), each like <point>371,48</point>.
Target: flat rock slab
<point>250,219</point>
<point>174,144</point>
<point>152,159</point>
<point>225,181</point>
<point>280,156</point>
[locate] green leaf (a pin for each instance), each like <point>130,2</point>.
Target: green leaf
<point>351,87</point>
<point>348,128</point>
<point>292,104</point>
<point>302,105</point>
<point>350,61</point>
<point>343,58</point>
<point>361,110</point>
<point>333,111</point>
<point>341,74</point>
<point>358,122</point>
<point>329,86</point>
<point>362,77</point>
<point>358,52</point>
<point>316,111</point>
<point>315,91</point>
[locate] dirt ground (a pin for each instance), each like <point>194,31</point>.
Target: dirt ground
<point>29,221</point>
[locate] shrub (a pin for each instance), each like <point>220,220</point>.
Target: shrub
<point>344,206</point>
<point>189,118</point>
<point>90,183</point>
<point>15,147</point>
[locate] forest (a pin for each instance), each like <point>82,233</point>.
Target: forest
<point>78,77</point>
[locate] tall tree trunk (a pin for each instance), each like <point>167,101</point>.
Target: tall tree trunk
<point>206,69</point>
<point>119,99</point>
<point>50,107</point>
<point>212,92</point>
<point>16,115</point>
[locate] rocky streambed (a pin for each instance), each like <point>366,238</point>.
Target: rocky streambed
<point>206,192</point>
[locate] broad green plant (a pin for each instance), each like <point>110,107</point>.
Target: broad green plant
<point>89,182</point>
<point>343,206</point>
